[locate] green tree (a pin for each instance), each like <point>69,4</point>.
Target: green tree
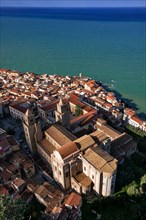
<point>133,191</point>
<point>143,183</point>
<point>78,110</point>
<point>11,209</point>
<point>143,179</point>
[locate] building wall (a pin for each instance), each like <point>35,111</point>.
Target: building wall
<point>15,113</point>
<point>52,141</point>
<point>133,123</point>
<point>108,184</point>
<point>43,154</point>
<point>103,183</point>
<point>29,131</point>
<point>72,107</point>
<point>75,185</point>
<point>61,172</point>
<point>106,145</point>
<point>58,173</point>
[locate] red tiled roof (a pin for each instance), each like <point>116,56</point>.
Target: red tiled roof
<point>82,117</point>
<point>75,100</point>
<point>138,120</point>
<point>100,101</point>
<point>129,111</point>
<point>87,120</point>
<point>73,200</point>
<point>19,108</point>
<point>107,104</point>
<point>87,91</point>
<point>4,70</point>
<point>3,191</point>
<point>67,149</point>
<point>50,106</point>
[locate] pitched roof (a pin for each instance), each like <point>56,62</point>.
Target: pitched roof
<point>83,179</point>
<point>83,117</point>
<point>51,106</point>
<point>18,182</point>
<point>109,131</point>
<point>3,191</point>
<point>84,142</point>
<point>101,160</point>
<point>73,200</point>
<point>75,100</point>
<point>19,108</point>
<point>47,146</point>
<point>129,112</point>
<point>99,136</point>
<point>60,134</point>
<point>67,149</point>
<point>121,140</point>
<point>137,119</point>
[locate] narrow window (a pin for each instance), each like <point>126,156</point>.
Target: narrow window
<point>67,174</point>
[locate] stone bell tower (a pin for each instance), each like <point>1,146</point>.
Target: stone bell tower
<point>62,112</point>
<point>29,129</point>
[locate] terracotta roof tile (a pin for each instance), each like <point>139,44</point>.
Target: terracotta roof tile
<point>67,149</point>
<point>73,200</point>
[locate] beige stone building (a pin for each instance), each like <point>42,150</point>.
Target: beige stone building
<point>32,130</point>
<point>101,168</point>
<point>72,168</point>
<point>103,141</point>
<point>65,164</point>
<point>81,163</point>
<point>55,137</point>
<point>77,163</point>
<point>62,114</point>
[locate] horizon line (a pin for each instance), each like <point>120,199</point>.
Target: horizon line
<point>73,7</point>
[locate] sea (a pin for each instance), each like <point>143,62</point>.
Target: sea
<point>106,44</point>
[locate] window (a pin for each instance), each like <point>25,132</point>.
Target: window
<point>59,172</point>
<point>84,168</point>
<point>67,174</point>
<point>92,177</point>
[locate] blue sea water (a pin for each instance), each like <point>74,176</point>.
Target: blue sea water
<point>105,44</point>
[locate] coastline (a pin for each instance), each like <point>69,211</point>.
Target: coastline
<point>129,104</point>
<point>106,50</point>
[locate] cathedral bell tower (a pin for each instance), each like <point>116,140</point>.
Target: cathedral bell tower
<point>62,113</point>
<point>29,129</point>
